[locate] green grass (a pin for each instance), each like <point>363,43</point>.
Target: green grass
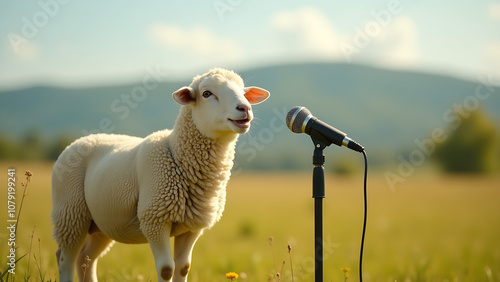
<point>430,228</point>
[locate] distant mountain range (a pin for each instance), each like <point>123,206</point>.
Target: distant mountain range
<point>384,110</point>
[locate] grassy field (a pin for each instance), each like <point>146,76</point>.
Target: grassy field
<point>430,228</point>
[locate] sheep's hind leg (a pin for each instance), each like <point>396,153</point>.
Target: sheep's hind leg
<point>96,245</point>
<point>69,235</point>
<point>160,246</point>
<point>183,249</point>
<point>66,258</point>
<point>66,263</point>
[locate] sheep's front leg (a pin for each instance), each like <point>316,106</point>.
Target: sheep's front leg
<point>183,249</point>
<point>164,263</point>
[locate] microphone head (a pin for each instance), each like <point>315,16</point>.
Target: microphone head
<point>296,119</point>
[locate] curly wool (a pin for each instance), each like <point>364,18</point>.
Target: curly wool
<point>191,173</point>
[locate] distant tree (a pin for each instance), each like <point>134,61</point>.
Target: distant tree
<point>32,146</point>
<point>345,165</point>
<point>8,149</point>
<point>56,148</point>
<point>473,147</point>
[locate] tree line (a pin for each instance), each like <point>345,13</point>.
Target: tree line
<point>471,147</point>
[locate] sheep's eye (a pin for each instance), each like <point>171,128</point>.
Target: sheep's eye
<point>207,94</point>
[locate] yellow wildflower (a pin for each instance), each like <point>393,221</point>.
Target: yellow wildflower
<point>346,271</point>
<point>232,275</point>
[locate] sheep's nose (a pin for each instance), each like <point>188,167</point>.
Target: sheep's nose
<point>243,108</point>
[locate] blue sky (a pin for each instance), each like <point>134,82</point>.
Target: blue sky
<point>83,43</point>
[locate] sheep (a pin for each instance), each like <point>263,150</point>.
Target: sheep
<point>172,183</point>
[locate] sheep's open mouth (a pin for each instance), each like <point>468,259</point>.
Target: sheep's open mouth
<point>243,123</point>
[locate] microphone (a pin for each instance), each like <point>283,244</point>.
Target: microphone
<point>300,120</point>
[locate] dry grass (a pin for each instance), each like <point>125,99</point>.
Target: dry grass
<point>429,229</point>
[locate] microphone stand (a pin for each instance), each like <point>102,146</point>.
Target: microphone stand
<point>318,195</point>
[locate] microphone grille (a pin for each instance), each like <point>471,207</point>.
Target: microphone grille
<point>296,117</point>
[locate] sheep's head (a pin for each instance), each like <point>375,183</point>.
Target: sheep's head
<point>221,104</point>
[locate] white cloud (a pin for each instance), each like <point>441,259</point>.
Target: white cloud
<point>494,10</point>
<point>199,41</point>
<point>22,47</point>
<point>307,31</point>
<point>27,51</point>
<point>492,51</point>
<point>396,45</point>
<point>491,55</point>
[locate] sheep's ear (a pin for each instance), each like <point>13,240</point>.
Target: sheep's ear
<point>184,95</point>
<point>256,95</point>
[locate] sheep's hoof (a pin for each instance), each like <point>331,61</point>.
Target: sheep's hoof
<point>167,272</point>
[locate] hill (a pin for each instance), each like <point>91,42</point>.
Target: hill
<point>384,110</point>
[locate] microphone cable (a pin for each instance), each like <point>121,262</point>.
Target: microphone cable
<point>364,220</point>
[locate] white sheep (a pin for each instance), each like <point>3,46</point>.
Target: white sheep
<point>108,188</point>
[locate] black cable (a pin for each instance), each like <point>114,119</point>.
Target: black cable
<point>364,221</point>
